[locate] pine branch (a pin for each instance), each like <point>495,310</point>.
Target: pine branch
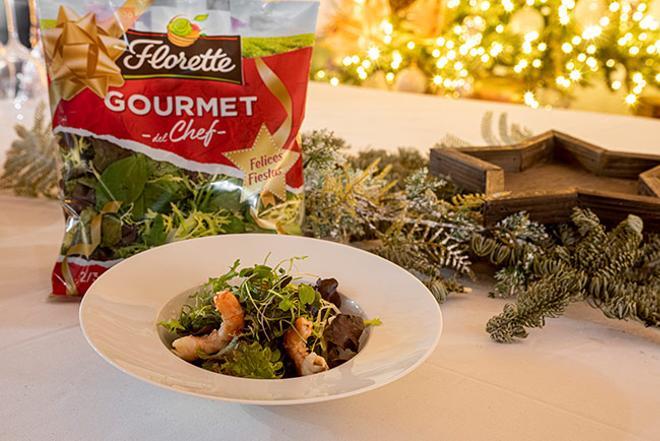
<point>31,166</point>
<point>389,201</point>
<point>515,242</point>
<point>404,162</point>
<point>487,129</point>
<point>505,136</point>
<point>322,149</point>
<point>428,253</point>
<point>546,298</point>
<point>450,140</point>
<point>508,133</point>
<point>614,271</point>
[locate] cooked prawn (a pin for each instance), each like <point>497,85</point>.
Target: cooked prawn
<point>233,320</point>
<point>295,343</point>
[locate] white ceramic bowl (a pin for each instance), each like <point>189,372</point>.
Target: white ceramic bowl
<point>120,312</point>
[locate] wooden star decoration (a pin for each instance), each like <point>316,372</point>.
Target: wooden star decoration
<point>550,174</point>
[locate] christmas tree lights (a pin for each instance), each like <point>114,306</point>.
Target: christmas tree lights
<point>450,46</point>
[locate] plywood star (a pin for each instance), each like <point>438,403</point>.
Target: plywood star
<point>549,174</point>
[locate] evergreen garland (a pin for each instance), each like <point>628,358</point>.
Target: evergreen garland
<point>427,226</point>
<point>389,204</point>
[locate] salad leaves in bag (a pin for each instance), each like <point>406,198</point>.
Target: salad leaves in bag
<point>175,121</point>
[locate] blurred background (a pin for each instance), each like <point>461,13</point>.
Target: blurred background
<point>22,69</point>
<point>599,55</point>
<point>22,21</point>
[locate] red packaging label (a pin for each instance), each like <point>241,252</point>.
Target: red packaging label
<point>171,132</point>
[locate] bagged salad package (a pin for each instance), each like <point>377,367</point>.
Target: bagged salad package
<point>177,119</point>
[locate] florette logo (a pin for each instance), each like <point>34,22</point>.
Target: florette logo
<point>182,32</point>
<point>183,52</point>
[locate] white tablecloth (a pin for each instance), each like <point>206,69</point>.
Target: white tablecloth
<point>582,378</point>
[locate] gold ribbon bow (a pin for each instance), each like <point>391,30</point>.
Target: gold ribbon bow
<point>267,162</point>
<point>81,53</point>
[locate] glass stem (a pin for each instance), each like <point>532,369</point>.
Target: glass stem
<point>10,14</point>
<point>34,23</point>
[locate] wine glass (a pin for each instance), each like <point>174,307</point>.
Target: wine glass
<point>36,67</point>
<point>23,83</point>
<point>22,72</point>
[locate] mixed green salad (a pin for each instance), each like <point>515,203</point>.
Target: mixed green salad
<point>263,322</point>
<point>119,203</point>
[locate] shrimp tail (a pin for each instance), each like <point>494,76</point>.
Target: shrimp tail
<point>295,343</point>
<point>233,321</point>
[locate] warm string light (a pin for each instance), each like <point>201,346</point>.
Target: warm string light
<point>530,100</point>
<point>488,38</point>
